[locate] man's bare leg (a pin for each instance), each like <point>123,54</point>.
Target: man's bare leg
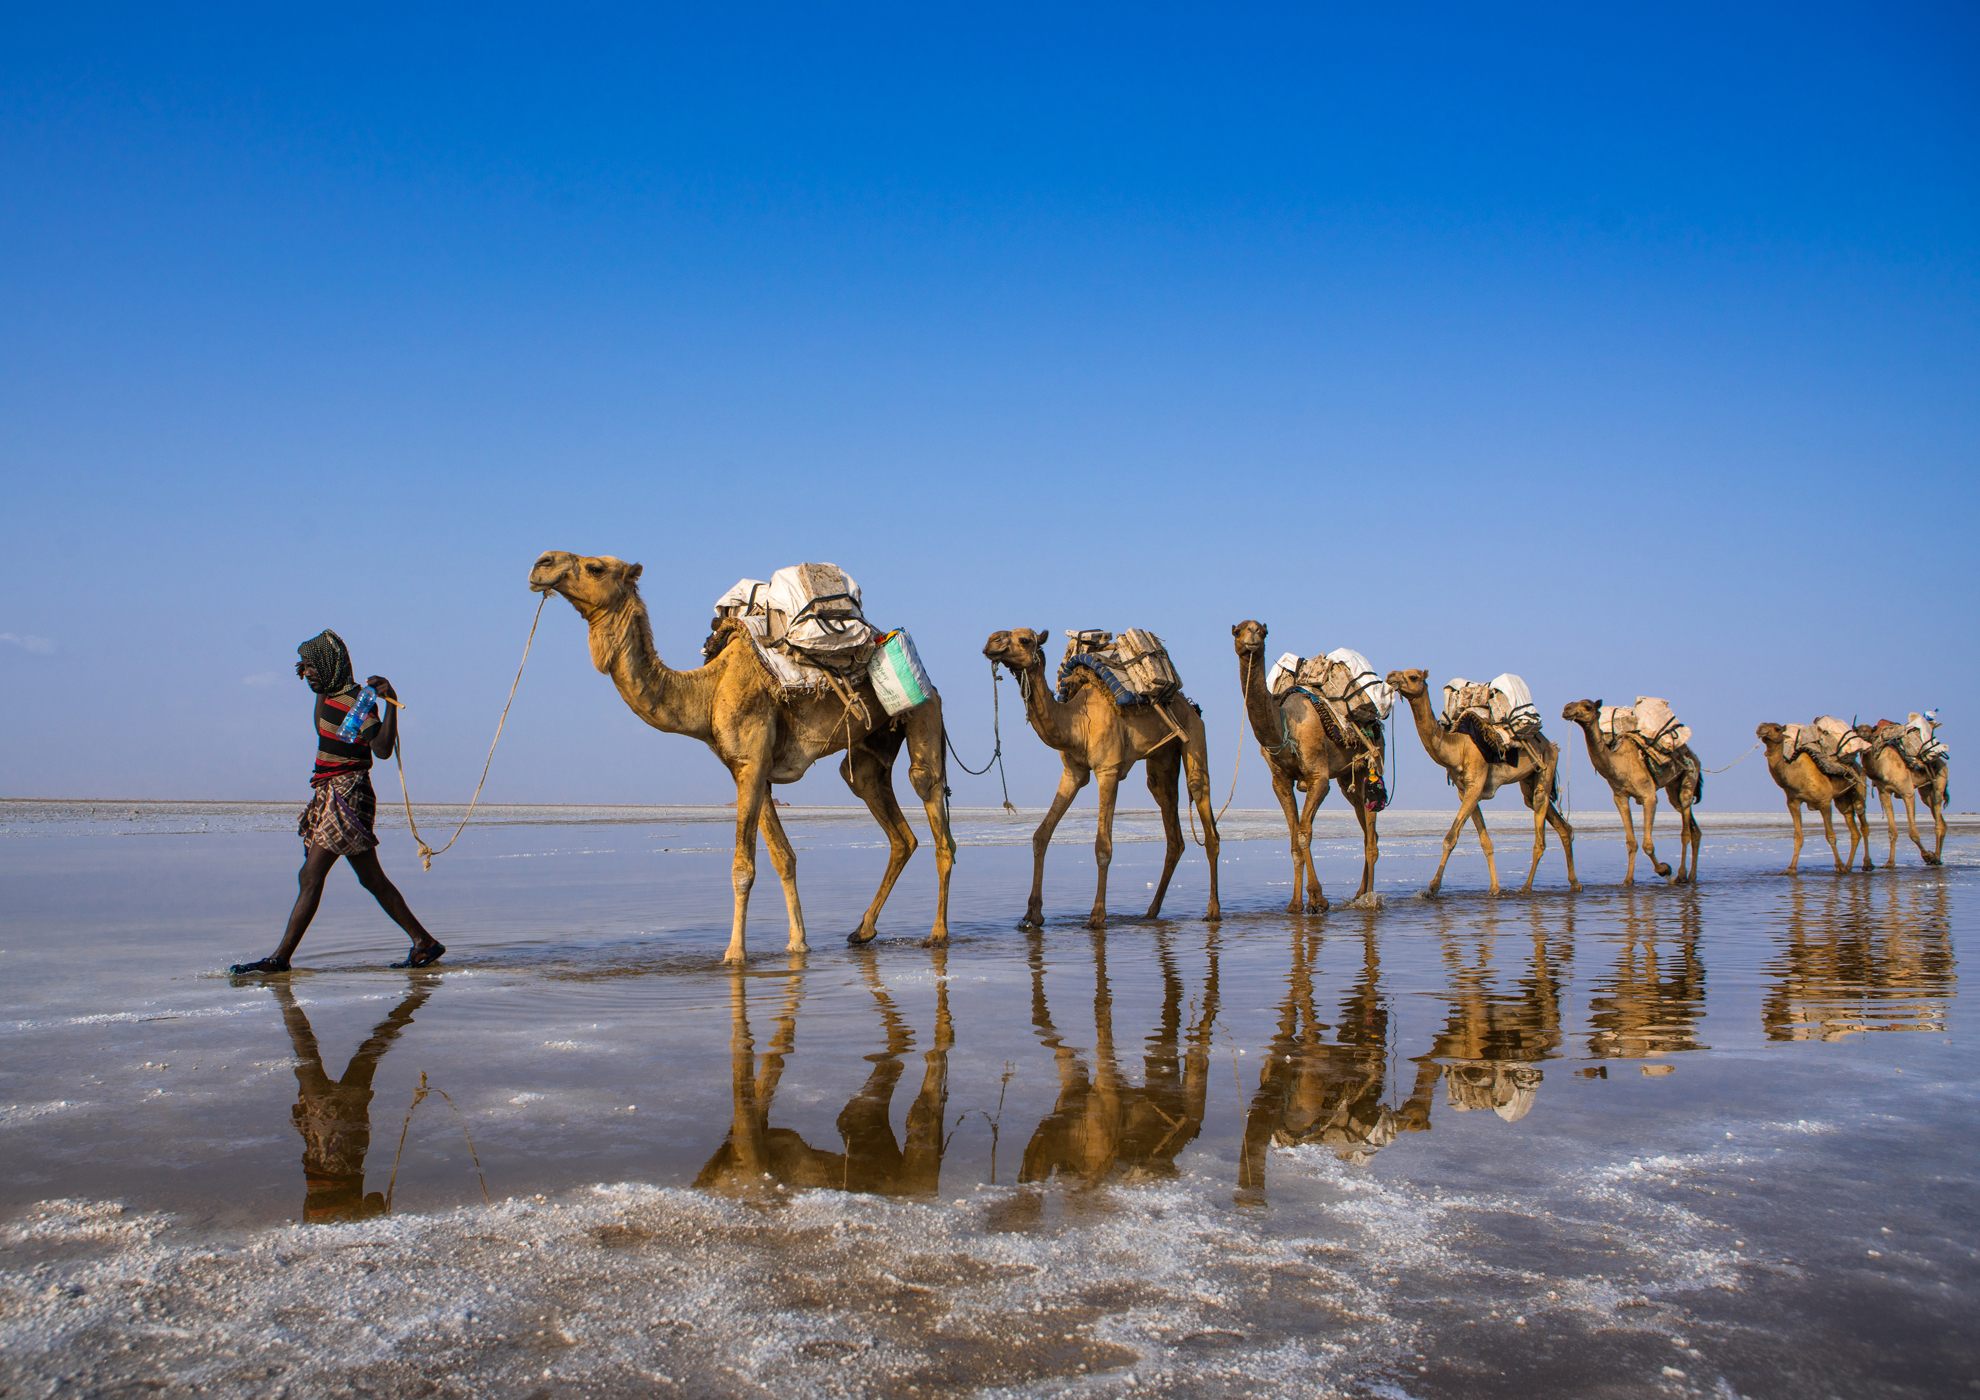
<point>309,893</point>
<point>426,948</point>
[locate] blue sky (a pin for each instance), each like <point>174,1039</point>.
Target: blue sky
<point>1631,350</point>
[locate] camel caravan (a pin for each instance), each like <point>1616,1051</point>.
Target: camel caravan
<point>792,671</point>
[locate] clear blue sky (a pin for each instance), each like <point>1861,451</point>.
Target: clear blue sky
<point>1632,349</point>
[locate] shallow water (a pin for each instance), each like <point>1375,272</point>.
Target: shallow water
<point>1648,1141</point>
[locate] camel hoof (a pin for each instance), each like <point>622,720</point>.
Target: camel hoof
<point>1663,870</point>
<point>1930,860</point>
<point>1574,887</point>
<point>1318,906</point>
<point>1298,906</point>
<point>936,940</point>
<point>856,939</point>
<point>1213,915</point>
<point>1031,921</point>
<point>1096,922</point>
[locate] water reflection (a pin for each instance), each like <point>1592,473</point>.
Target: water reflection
<point>1861,955</point>
<point>334,1115</point>
<point>1102,1127</point>
<point>756,1157</point>
<point>1489,1050</point>
<point>1316,1089</point>
<point>1651,1002</point>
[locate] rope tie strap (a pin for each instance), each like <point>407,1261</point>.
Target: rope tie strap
<point>996,759</point>
<point>426,852</point>
<point>1736,762</point>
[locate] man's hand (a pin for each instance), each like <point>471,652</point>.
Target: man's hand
<point>382,686</point>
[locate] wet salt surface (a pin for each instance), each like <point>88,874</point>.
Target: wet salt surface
<point>1651,1141</point>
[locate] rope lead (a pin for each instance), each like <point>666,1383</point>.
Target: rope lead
<point>426,852</point>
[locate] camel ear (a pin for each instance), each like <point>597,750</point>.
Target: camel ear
<point>1044,635</point>
<point>633,573</point>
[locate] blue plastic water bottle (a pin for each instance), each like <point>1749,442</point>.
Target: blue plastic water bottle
<point>367,700</point>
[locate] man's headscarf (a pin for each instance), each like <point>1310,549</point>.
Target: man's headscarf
<point>330,659</point>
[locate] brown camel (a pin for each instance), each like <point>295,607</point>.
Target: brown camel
<point>1300,748</point>
<point>1536,770</point>
<point>763,736</point>
<point>1628,775</point>
<point>1806,785</point>
<point>1096,737</point>
<point>1886,769</point>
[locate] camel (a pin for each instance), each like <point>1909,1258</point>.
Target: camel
<point>1884,765</point>
<point>1300,748</point>
<point>1536,770</point>
<point>1628,775</point>
<point>763,737</point>
<point>1096,737</point>
<point>1806,785</point>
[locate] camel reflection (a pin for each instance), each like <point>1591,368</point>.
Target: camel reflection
<point>1312,1089</point>
<point>1857,957</point>
<point>1490,1048</point>
<point>1653,999</point>
<point>756,1157</point>
<point>334,1115</point>
<point>1101,1127</point>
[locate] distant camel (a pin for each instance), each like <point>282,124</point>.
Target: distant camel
<point>1886,767</point>
<point>1808,785</point>
<point>1097,737</point>
<point>1629,776</point>
<point>1536,770</point>
<point>1300,749</point>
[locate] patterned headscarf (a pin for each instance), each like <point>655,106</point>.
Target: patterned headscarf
<point>326,654</point>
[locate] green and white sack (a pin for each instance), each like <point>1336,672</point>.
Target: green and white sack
<point>896,673</point>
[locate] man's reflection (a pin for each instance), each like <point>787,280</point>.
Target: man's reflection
<point>1101,1126</point>
<point>756,1156</point>
<point>1857,958</point>
<point>1652,1001</point>
<point>1316,1089</point>
<point>334,1115</point>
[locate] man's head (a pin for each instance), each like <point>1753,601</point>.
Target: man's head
<point>325,663</point>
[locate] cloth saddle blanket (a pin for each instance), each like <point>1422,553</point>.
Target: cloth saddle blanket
<point>1343,676</point>
<point>1133,667</point>
<point>1916,740</point>
<point>1827,740</point>
<point>792,676</point>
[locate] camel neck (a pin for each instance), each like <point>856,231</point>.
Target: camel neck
<point>1433,735</point>
<point>1047,715</point>
<point>622,647</point>
<point>1267,725</point>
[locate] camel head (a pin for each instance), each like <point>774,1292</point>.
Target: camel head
<point>1770,734</point>
<point>1581,711</point>
<point>1018,651</point>
<point>1249,638</point>
<point>594,584</point>
<point>1409,684</point>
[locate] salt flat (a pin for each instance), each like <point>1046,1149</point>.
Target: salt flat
<point>1652,1141</point>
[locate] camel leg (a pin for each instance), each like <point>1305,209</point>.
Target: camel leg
<point>928,775</point>
<point>1282,788</point>
<point>1196,768</point>
<point>784,859</point>
<point>1829,830</point>
<point>1857,815</point>
<point>1687,833</point>
<point>1370,845</point>
<point>1164,768</point>
<point>1535,789</point>
<point>1890,825</point>
<point>1070,782</point>
<point>1467,808</point>
<point>1794,859</point>
<point>752,795</point>
<point>1936,801</point>
<point>1485,845</point>
<point>1558,820</point>
<point>1103,844</point>
<point>869,777</point>
<point>1316,898</point>
<point>1911,825</point>
<point>1649,839</point>
<point>1629,834</point>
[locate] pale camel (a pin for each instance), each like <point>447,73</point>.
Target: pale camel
<point>1885,767</point>
<point>763,736</point>
<point>1096,737</point>
<point>1806,785</point>
<point>1300,749</point>
<point>1536,770</point>
<point>1628,775</point>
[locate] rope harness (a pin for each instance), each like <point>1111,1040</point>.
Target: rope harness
<point>997,732</point>
<point>426,852</point>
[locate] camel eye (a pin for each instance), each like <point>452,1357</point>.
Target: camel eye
<point>594,568</point>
